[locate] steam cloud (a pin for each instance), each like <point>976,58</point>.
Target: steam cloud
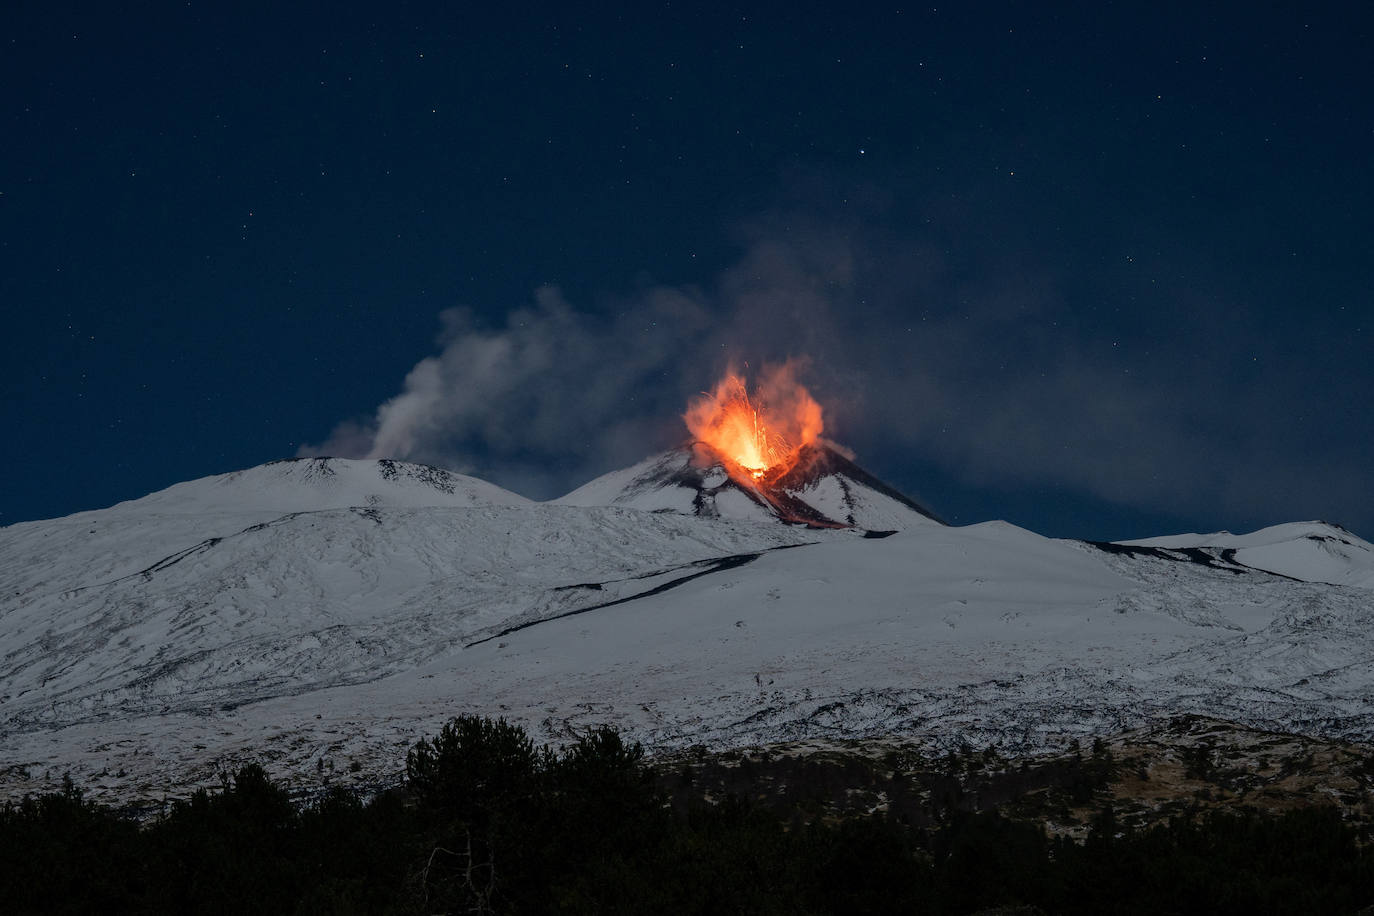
<point>911,356</point>
<point>554,396</point>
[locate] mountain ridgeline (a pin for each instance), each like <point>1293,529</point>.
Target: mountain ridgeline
<point>821,489</point>
<point>325,611</point>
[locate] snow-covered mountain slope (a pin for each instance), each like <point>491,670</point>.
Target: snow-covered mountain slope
<point>1310,551</point>
<point>314,599</point>
<point>340,635</point>
<point>312,484</point>
<point>823,489</point>
<point>134,536</point>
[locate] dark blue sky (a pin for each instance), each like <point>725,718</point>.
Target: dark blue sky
<point>1099,269</point>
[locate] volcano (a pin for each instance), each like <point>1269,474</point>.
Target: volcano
<point>329,611</point>
<point>822,489</point>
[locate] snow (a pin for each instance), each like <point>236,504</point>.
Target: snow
<point>131,536</point>
<point>842,499</point>
<point>312,484</point>
<point>167,637</point>
<point>1310,551</point>
<point>691,480</point>
<point>610,487</point>
<point>653,485</point>
<point>380,590</point>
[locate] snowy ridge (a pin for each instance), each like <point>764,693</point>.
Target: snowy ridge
<point>130,537</point>
<point>1310,551</point>
<point>312,484</point>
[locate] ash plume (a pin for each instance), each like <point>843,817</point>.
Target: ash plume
<point>987,370</point>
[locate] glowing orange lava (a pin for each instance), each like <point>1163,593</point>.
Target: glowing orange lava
<point>764,434</point>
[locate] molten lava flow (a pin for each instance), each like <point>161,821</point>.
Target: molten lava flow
<point>763,435</point>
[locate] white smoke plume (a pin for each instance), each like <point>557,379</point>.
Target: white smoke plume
<point>910,357</point>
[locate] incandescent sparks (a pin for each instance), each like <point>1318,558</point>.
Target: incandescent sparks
<point>761,435</point>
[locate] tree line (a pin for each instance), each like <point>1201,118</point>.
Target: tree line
<point>488,822</point>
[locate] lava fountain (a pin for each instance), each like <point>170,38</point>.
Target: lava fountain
<point>761,434</point>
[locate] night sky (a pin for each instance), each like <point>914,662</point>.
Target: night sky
<point>1102,270</point>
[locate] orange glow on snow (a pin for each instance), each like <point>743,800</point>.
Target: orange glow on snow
<point>763,433</point>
